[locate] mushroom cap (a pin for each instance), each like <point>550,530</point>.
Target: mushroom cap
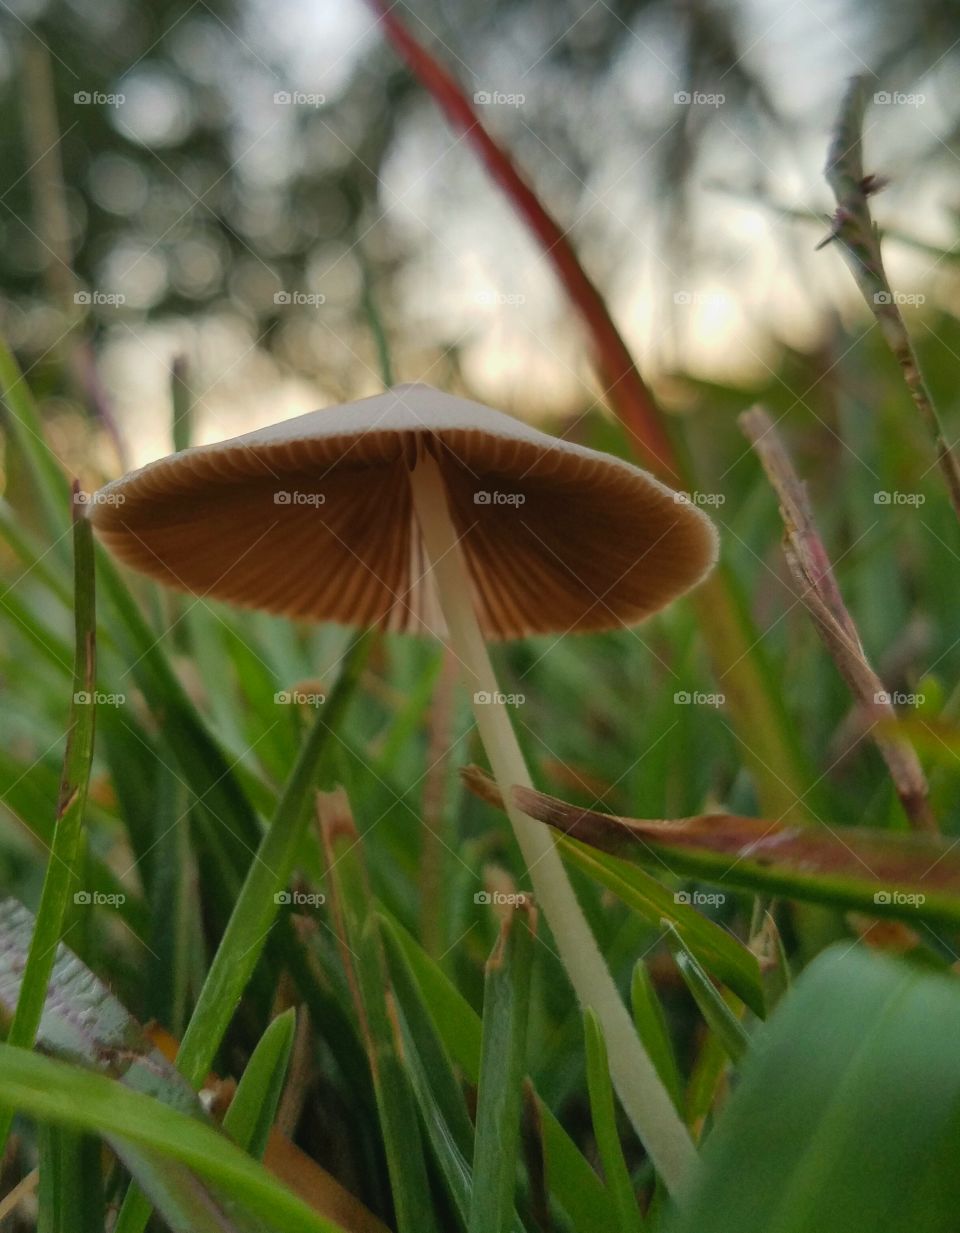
<point>313,518</point>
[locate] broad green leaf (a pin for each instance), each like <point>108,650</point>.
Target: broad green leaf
<point>846,1118</point>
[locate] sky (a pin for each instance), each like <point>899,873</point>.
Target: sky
<point>471,273</point>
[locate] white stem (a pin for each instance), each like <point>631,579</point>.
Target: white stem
<point>637,1083</point>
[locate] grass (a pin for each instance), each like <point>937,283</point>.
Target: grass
<point>442,1075</point>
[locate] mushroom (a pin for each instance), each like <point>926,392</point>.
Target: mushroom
<point>423,513</point>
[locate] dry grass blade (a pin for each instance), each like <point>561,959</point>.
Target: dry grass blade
<point>621,379</point>
<point>853,228</point>
<point>886,873</point>
<point>810,566</point>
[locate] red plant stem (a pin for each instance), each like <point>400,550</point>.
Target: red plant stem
<point>622,382</point>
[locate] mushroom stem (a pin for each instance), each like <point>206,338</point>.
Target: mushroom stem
<point>637,1083</point>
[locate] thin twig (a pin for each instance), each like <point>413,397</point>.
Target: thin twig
<point>854,229</point>
<point>810,566</point>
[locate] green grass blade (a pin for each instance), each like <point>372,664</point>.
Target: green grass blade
<point>40,562</point>
<point>64,1095</point>
<point>364,959</point>
<point>267,877</point>
<point>254,1106</point>
<point>506,1002</point>
<point>573,1182</point>
<point>186,1204</point>
<point>720,1018</point>
<point>70,1192</point>
<point>83,1022</point>
<point>719,951</point>
<point>603,1112</point>
<point>67,835</point>
<point>652,1028</point>
<point>25,432</point>
<point>255,910</point>
<point>435,1085</point>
